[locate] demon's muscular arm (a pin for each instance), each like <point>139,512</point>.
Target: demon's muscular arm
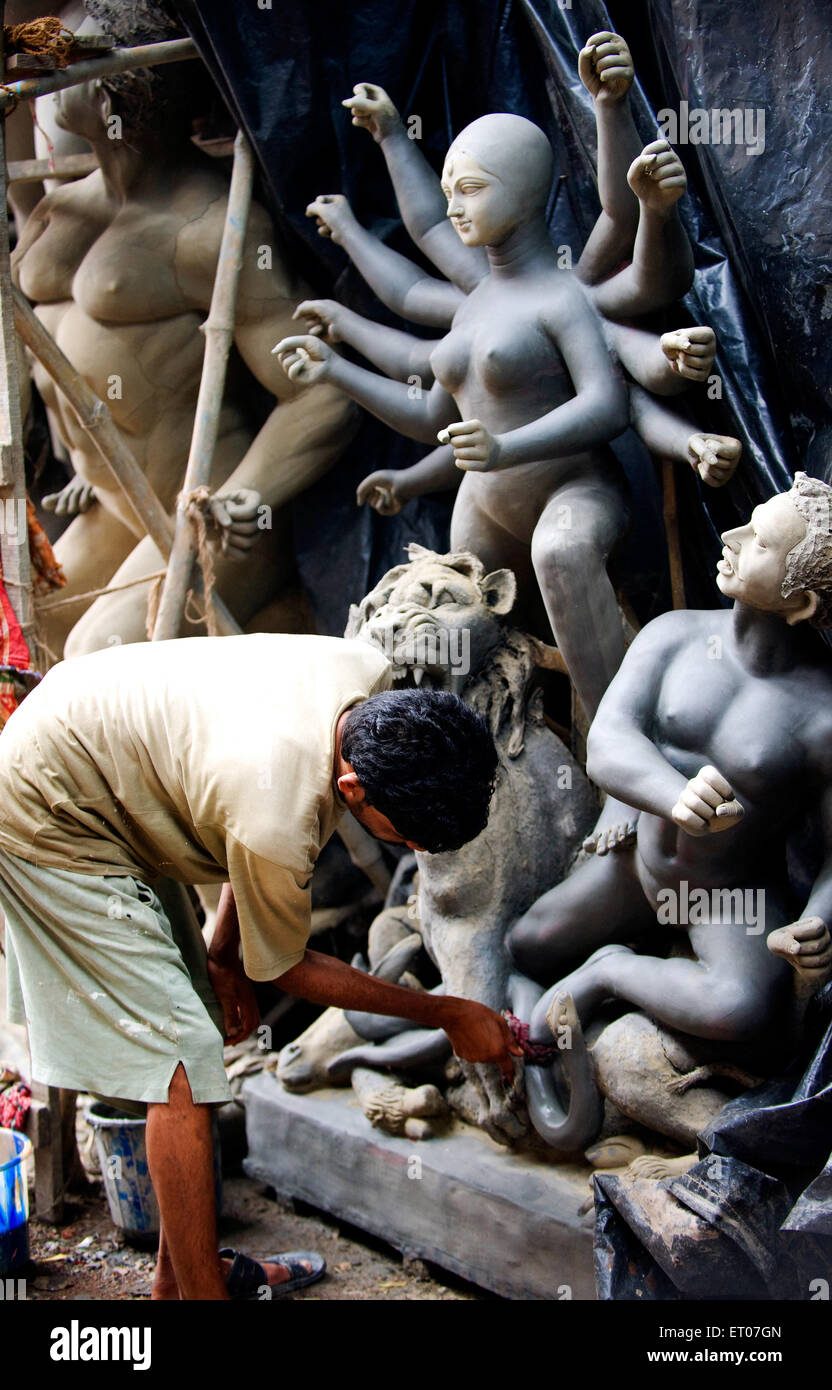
<point>476,1033</point>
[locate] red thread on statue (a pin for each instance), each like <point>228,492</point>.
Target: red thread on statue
<point>536,1054</point>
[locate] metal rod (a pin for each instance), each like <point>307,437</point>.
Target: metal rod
<point>147,55</point>
<point>14,541</point>
<point>96,419</point>
<point>219,335</point>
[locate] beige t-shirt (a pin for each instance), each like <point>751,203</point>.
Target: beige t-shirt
<point>203,759</point>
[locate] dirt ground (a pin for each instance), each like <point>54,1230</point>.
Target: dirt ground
<point>87,1258</point>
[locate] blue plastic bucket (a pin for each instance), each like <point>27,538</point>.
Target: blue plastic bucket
<point>15,1148</point>
<point>122,1157</point>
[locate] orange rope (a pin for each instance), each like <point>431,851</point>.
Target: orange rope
<point>49,36</point>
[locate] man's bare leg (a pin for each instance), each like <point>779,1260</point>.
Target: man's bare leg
<point>180,1156</point>
<point>165,1287</point>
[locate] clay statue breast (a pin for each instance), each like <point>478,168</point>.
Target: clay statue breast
<point>451,359</point>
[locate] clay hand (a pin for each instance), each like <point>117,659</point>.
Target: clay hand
<point>475,448</point>
<point>76,497</point>
<point>236,515</point>
<point>478,1034</point>
<point>690,351</point>
<point>322,318</point>
<point>806,945</point>
<point>381,491</point>
<point>707,804</point>
<point>372,109</point>
<point>333,215</point>
<point>235,994</point>
<point>657,176</point>
<point>500,1108</point>
<point>605,67</point>
<point>714,457</point>
<point>304,359</point>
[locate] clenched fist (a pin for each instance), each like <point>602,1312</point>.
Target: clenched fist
<point>657,177</point>
<point>707,805</point>
<point>475,447</point>
<point>690,351</point>
<point>605,67</point>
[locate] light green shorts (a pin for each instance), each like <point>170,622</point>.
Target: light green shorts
<point>111,984</point>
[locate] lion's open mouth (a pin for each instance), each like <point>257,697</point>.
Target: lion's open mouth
<point>412,677</point>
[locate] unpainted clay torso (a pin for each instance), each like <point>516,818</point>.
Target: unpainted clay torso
<point>502,366</point>
<point>760,731</point>
<point>108,283</point>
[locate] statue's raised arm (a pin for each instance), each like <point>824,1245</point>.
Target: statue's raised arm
<point>401,285</point>
<point>417,189</point>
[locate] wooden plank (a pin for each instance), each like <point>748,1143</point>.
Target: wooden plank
<point>508,1221</point>
<point>44,1129</point>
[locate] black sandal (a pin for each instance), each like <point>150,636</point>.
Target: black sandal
<point>247,1278</point>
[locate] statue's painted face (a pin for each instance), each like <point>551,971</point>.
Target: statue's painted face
<point>753,564</point>
<point>480,205</point>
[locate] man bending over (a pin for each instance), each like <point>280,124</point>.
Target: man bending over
<point>211,760</point>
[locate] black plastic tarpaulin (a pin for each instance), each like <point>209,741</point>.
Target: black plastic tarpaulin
<point>759,216</point>
<point>753,1219</point>
<point>758,211</point>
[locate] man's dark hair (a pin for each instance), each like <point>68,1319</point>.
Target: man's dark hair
<point>426,761</point>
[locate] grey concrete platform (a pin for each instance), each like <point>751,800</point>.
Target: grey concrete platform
<point>508,1222</point>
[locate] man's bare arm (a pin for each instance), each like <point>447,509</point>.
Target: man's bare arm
<point>476,1033</point>
<point>229,981</point>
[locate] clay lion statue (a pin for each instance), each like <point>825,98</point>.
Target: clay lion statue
<point>443,622</point>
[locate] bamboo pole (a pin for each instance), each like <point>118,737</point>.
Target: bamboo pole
<point>14,531</point>
<point>671,527</point>
<point>66,166</point>
<point>96,419</point>
<point>219,335</point>
<point>147,55</point>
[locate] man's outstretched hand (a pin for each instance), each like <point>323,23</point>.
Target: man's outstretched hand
<point>478,1034</point>
<point>475,1032</point>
